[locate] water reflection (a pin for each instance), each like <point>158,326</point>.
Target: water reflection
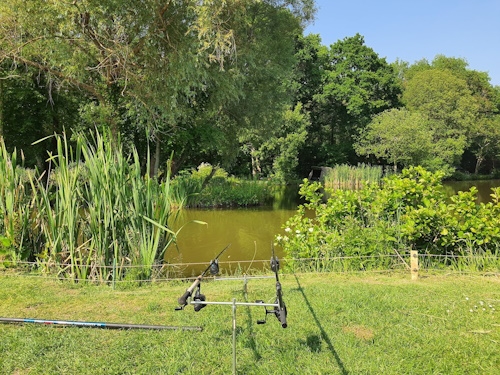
<point>250,231</point>
<point>483,188</point>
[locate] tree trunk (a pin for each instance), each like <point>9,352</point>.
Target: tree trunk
<point>479,161</point>
<point>1,108</point>
<point>256,170</point>
<point>155,159</point>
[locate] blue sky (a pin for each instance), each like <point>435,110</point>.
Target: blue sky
<point>414,30</point>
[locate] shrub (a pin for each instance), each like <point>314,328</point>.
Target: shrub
<point>408,211</point>
<point>209,186</point>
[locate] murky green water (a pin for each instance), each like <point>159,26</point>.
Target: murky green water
<point>251,231</point>
<point>483,187</point>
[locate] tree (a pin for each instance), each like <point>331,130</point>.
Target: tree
<point>356,84</point>
<point>461,100</point>
<point>146,66</point>
<point>265,62</point>
<point>485,140</point>
<point>279,153</point>
<point>400,137</point>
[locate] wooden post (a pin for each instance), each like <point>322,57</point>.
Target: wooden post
<point>414,264</point>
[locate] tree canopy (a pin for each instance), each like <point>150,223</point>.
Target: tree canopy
<point>234,83</point>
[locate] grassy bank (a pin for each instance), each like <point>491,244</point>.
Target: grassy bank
<point>338,324</point>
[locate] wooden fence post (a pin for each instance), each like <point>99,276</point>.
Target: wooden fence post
<point>414,264</point>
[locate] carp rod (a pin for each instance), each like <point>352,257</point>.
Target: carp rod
<point>279,305</point>
<point>97,324</point>
<point>213,267</point>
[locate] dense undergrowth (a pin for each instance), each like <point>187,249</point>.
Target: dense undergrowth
<point>211,186</point>
<point>406,211</point>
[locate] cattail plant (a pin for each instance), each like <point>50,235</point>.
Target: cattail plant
<point>12,204</point>
<point>101,218</point>
<point>351,177</point>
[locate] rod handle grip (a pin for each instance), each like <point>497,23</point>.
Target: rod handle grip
<point>182,300</point>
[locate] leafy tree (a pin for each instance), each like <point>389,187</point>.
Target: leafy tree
<point>280,152</point>
<point>485,139</point>
<point>30,111</point>
<point>265,61</point>
<point>448,103</point>
<point>461,101</point>
<point>356,84</point>
<point>147,66</point>
<point>399,137</point>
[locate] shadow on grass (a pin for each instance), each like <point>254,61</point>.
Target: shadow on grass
<point>313,342</point>
<point>251,340</point>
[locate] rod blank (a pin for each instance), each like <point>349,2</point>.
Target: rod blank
<point>98,324</point>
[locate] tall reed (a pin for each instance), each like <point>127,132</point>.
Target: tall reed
<point>13,204</point>
<point>352,177</point>
<point>101,218</point>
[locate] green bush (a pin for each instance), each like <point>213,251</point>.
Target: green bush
<point>205,187</point>
<point>407,211</point>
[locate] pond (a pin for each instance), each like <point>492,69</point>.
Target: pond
<point>250,231</point>
<point>483,186</point>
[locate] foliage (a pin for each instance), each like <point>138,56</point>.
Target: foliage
<point>401,138</point>
<point>281,150</point>
<point>210,186</point>
<point>94,213</point>
<point>408,211</point>
<point>196,71</point>
<point>14,206</point>
<point>462,106</point>
<point>356,84</point>
<point>348,177</point>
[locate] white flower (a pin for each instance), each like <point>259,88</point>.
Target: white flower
<point>287,229</point>
<point>278,238</point>
<point>311,230</point>
<point>297,231</point>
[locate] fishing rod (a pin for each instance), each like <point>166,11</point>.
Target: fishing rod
<point>213,267</point>
<point>97,324</point>
<point>280,308</point>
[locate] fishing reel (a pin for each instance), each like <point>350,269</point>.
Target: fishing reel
<point>280,310</point>
<point>276,312</point>
<point>275,264</point>
<point>198,297</point>
<point>213,268</point>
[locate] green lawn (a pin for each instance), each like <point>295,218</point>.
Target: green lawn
<point>337,324</point>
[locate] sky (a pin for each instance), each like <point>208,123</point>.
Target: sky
<point>414,30</point>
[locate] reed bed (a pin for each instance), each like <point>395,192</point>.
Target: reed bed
<point>352,177</point>
<point>93,214</point>
<point>12,199</point>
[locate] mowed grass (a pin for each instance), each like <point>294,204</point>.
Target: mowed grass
<point>337,324</point>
